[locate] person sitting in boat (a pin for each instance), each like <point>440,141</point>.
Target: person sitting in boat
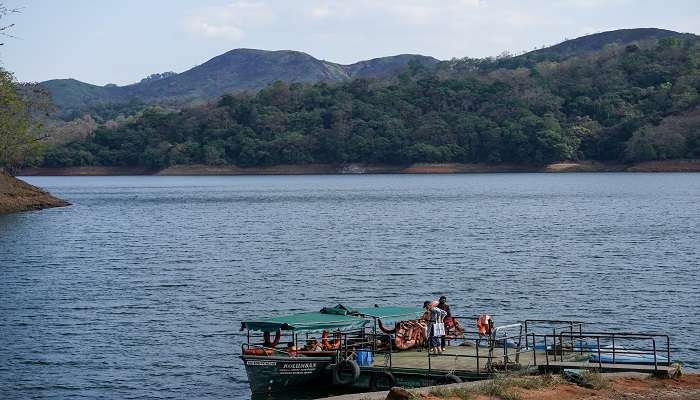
<point>292,349</point>
<point>314,345</point>
<point>434,315</point>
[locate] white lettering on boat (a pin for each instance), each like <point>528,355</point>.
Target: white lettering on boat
<point>299,368</point>
<point>260,363</point>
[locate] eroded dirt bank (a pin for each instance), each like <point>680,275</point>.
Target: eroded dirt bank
<point>17,195</point>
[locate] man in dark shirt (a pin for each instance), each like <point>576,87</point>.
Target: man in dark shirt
<point>442,304</point>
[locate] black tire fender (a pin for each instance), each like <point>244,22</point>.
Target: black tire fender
<point>341,369</point>
<point>378,379</point>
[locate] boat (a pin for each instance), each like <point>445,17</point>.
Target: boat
<point>356,348</point>
<point>270,368</point>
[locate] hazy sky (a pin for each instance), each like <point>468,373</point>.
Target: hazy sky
<point>102,41</point>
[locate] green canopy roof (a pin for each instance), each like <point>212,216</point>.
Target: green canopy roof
<point>311,321</point>
<point>333,318</point>
<point>391,314</point>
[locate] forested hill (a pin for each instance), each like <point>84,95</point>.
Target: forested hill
<point>251,70</point>
<point>624,102</point>
<point>234,71</point>
<point>598,41</point>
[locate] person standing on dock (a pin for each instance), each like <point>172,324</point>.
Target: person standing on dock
<point>442,304</point>
<point>436,315</point>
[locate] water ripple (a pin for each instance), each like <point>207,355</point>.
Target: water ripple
<point>138,290</point>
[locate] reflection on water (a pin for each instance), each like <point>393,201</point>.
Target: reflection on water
<point>138,289</point>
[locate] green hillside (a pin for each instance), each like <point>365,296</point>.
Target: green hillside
<point>628,102</point>
<point>235,71</point>
<point>599,41</point>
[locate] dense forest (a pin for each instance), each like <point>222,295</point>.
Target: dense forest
<point>624,103</point>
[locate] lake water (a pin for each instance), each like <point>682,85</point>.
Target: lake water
<point>138,289</point>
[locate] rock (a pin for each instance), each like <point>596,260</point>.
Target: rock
<point>397,393</point>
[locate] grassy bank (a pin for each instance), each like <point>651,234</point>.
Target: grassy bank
<point>315,169</point>
<point>595,386</point>
<point>17,195</point>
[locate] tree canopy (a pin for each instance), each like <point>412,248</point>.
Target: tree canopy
<point>623,103</point>
<point>16,140</point>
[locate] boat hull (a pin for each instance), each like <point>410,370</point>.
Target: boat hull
<point>271,374</point>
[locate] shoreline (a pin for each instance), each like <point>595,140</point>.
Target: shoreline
<point>17,196</point>
<point>612,386</point>
<point>350,169</point>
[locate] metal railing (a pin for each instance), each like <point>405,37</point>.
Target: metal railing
<point>493,342</point>
<point>609,343</point>
<point>367,342</point>
<point>246,346</point>
<point>566,338</point>
<point>556,325</point>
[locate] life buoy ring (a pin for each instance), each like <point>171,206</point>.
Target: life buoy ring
<point>408,334</point>
<point>268,343</point>
<point>405,344</point>
<point>382,380</point>
<point>485,325</point>
<point>346,372</point>
<point>337,340</point>
<point>402,340</point>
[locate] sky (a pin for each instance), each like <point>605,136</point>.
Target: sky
<point>110,41</point>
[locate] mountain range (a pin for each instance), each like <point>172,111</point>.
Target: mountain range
<point>251,70</point>
<point>234,71</point>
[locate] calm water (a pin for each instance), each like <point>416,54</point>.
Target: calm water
<point>138,289</point>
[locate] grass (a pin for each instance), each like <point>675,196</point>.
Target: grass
<point>461,393</point>
<point>501,386</point>
<point>678,370</point>
<point>594,380</point>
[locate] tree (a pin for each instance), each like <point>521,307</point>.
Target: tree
<point>17,141</point>
<point>4,29</point>
<point>620,104</point>
<point>640,147</point>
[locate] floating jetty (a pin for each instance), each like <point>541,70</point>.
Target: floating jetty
<point>356,353</point>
